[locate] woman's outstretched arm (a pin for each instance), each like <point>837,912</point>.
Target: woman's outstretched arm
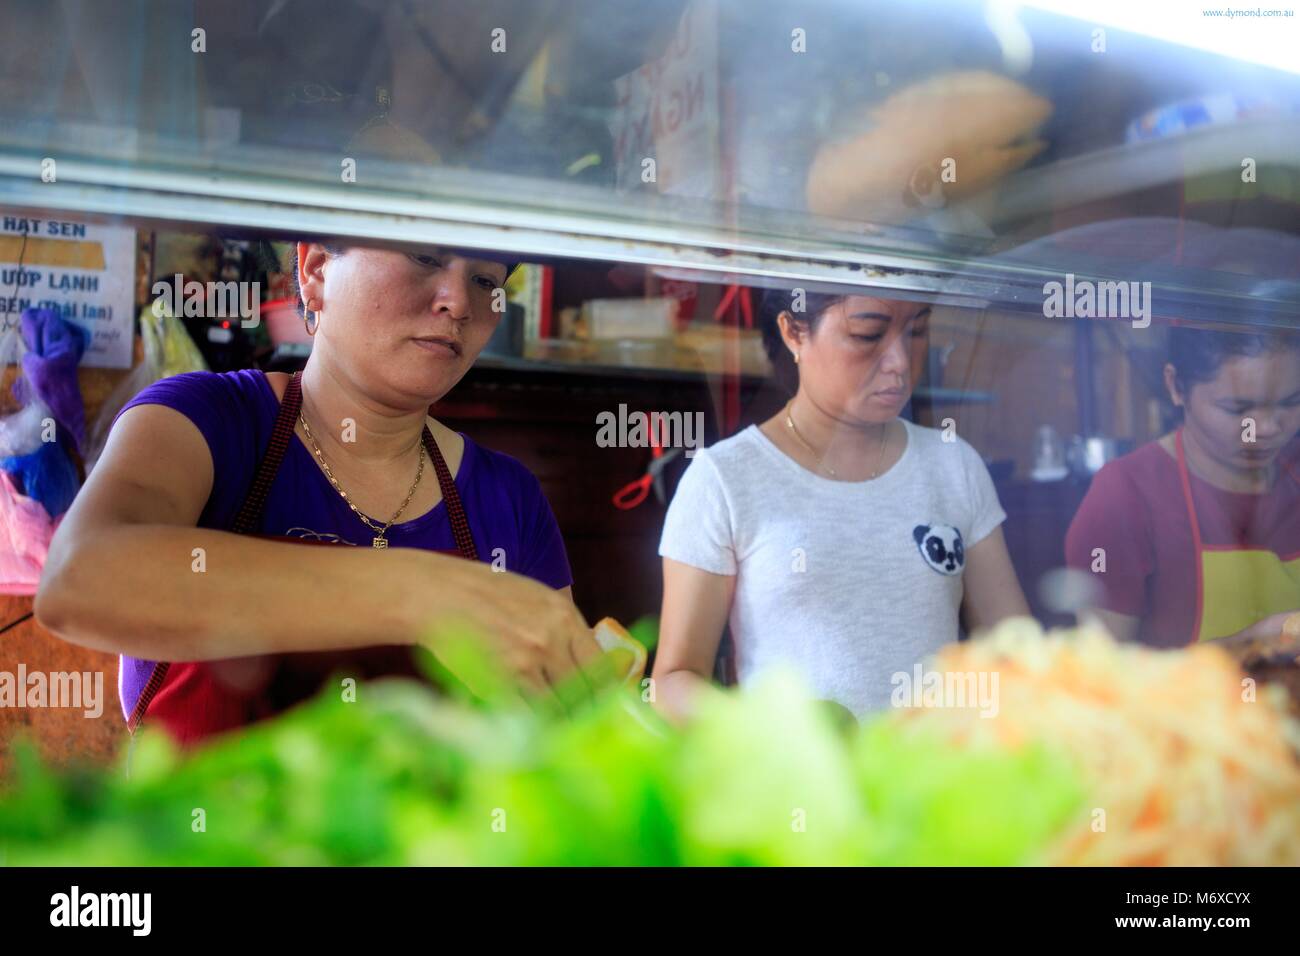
<point>128,572</point>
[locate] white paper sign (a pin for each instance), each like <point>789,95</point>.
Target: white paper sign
<point>668,110</point>
<point>84,272</point>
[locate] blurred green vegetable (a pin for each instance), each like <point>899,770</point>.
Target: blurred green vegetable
<point>405,776</point>
<point>646,630</point>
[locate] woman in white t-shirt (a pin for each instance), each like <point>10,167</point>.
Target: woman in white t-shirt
<point>839,540</point>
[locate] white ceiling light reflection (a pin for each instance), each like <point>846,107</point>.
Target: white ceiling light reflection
<point>1269,40</point>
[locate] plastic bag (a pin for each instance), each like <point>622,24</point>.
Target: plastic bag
<point>25,525</point>
<point>168,351</point>
<point>25,533</point>
<point>49,369</point>
<point>21,431</point>
<point>47,474</point>
<point>36,461</point>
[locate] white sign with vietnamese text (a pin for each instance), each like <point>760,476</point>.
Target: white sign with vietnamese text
<point>668,110</point>
<point>84,272</point>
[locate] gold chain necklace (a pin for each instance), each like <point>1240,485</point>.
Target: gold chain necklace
<point>880,457</point>
<point>379,541</point>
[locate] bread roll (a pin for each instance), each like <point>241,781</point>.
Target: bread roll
<point>982,121</point>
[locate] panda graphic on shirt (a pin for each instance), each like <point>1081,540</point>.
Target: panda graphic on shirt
<point>942,547</point>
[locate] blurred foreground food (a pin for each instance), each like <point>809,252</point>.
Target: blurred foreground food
<point>1184,769</point>
<point>1186,761</point>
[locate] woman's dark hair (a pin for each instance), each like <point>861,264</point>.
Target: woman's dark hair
<point>1198,354</point>
<point>806,309</point>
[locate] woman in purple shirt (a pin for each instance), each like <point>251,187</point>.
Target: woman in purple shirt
<point>217,629</point>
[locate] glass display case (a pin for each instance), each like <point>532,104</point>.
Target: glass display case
<point>1084,218</point>
<point>915,147</point>
<point>976,156</point>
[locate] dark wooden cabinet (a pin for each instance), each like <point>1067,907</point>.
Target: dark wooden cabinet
<point>547,418</point>
<point>1038,516</point>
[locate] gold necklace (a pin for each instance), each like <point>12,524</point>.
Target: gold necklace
<point>880,457</point>
<point>379,540</point>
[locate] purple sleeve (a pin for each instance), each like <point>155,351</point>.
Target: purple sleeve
<point>222,408</point>
<point>544,558</point>
<point>219,405</point>
<point>519,519</point>
<point>515,527</point>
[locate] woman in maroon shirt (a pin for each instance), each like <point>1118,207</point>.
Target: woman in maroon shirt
<point>1196,536</point>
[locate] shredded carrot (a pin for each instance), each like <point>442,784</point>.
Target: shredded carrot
<point>1186,770</point>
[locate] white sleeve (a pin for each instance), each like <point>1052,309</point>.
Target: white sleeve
<point>986,510</point>
<point>698,527</point>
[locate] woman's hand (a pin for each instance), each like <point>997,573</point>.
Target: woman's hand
<point>533,635</point>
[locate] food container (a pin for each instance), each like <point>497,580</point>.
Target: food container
<point>630,318</point>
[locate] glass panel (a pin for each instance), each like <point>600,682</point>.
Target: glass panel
<point>952,311</point>
<point>746,137</point>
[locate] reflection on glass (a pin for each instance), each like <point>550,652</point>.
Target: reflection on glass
<point>833,128</point>
<point>1196,536</point>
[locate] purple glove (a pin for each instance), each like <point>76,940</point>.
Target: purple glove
<point>54,348</point>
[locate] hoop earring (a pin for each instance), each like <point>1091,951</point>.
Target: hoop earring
<point>310,326</point>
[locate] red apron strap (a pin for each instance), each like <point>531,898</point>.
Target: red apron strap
<point>455,510</point>
<point>1197,545</point>
<point>147,693</point>
<point>249,514</point>
<point>281,434</point>
<point>1185,479</point>
<point>1291,471</point>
